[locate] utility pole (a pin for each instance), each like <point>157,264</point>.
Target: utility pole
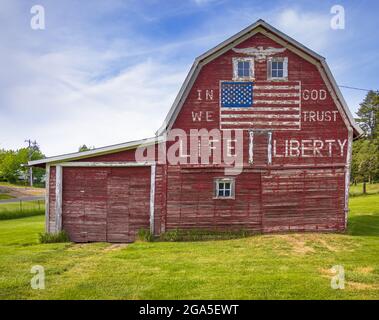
<point>31,147</point>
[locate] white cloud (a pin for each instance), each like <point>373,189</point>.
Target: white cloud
<point>74,92</point>
<point>63,108</point>
<point>312,29</point>
<point>73,89</point>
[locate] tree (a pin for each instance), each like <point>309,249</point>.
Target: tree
<point>85,148</point>
<point>12,164</point>
<point>368,114</point>
<point>365,161</point>
<point>38,173</point>
<point>2,156</point>
<point>365,164</point>
<point>9,166</point>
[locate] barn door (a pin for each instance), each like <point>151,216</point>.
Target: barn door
<point>118,206</point>
<point>260,144</point>
<point>105,204</point>
<point>84,205</point>
<point>73,204</point>
<point>128,203</point>
<point>95,204</point>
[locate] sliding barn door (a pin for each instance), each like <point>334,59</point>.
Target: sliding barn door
<point>118,205</point>
<point>105,204</point>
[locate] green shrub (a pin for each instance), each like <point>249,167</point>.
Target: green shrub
<point>172,235</point>
<point>145,235</point>
<point>202,235</point>
<point>46,237</point>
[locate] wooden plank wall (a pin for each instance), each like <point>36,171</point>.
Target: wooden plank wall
<point>105,204</point>
<point>190,202</point>
<point>85,203</point>
<point>298,199</point>
<point>303,200</point>
<point>301,192</point>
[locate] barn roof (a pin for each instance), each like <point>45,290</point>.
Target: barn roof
<point>98,151</point>
<point>259,26</point>
<point>263,27</point>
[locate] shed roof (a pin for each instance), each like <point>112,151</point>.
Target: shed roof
<point>98,151</point>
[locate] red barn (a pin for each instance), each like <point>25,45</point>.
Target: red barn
<point>259,138</point>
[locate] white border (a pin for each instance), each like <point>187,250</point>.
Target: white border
<point>59,186</point>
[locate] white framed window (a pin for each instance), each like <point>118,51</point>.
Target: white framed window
<point>224,188</point>
<point>243,69</point>
<point>277,68</point>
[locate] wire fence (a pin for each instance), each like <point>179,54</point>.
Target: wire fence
<point>27,205</point>
<point>22,205</point>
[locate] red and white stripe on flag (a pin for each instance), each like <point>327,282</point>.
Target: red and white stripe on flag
<point>276,106</point>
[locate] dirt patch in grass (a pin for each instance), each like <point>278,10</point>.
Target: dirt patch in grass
<point>365,270</point>
<point>352,285</point>
<point>326,242</point>
<point>359,286</point>
<point>298,244</point>
<point>327,245</point>
<point>116,247</point>
<point>326,272</point>
<point>19,191</point>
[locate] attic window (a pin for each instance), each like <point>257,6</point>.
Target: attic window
<point>224,188</point>
<point>243,69</point>
<point>277,69</point>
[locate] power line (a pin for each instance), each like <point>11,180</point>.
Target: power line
<point>354,88</point>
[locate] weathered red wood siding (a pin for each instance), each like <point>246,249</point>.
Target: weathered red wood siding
<point>300,192</point>
<point>299,69</point>
<point>303,200</point>
<point>160,192</point>
<point>191,203</point>
<point>105,204</point>
<point>292,193</point>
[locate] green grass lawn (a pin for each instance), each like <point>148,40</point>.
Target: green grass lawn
<point>15,210</point>
<point>358,189</point>
<point>291,266</point>
<point>4,196</point>
<point>18,185</point>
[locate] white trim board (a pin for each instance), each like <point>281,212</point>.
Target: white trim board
<point>99,151</point>
<point>47,199</point>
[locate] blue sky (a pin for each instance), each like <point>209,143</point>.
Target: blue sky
<point>105,72</point>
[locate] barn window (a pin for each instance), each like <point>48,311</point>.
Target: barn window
<point>243,68</point>
<point>277,68</point>
<point>224,188</point>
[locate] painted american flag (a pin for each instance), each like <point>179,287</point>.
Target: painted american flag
<point>262,105</point>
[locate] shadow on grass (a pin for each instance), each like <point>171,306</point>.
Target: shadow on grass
<point>364,225</point>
